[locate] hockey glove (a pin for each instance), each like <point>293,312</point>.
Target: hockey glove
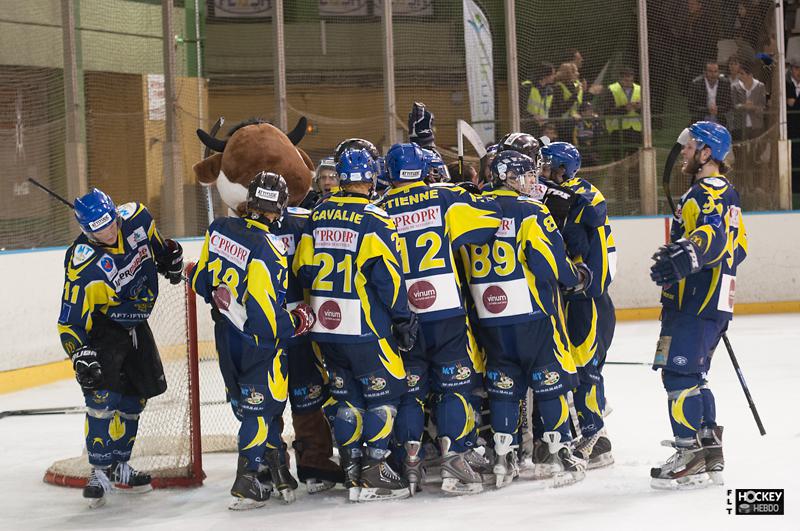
<point>559,200</point>
<point>420,125</point>
<point>675,261</point>
<point>86,363</point>
<point>470,187</point>
<point>584,280</point>
<point>171,263</point>
<point>304,319</point>
<point>405,332</point>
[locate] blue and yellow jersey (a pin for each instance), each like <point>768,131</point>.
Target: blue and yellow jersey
<point>515,277</point>
<point>119,281</point>
<point>587,235</point>
<point>433,223</point>
<point>250,264</point>
<point>348,257</point>
<point>289,232</point>
<point>710,215</point>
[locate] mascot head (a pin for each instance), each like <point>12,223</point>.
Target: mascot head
<point>254,146</point>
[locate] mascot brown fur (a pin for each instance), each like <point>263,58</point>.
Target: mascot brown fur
<point>253,146</point>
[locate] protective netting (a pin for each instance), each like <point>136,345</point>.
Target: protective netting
<point>717,60</point>
<point>335,58</point>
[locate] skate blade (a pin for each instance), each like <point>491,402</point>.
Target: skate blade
<point>245,504</point>
<point>601,461</point>
<point>564,479</point>
<point>694,481</point>
<point>543,472</point>
<point>286,496</point>
<point>716,478</point>
<point>353,493</point>
<point>369,494</point>
<point>503,480</point>
<point>314,486</point>
<point>96,503</point>
<point>125,489</point>
<point>458,488</point>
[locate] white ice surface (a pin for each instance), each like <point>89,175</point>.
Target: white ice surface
<point>616,498</point>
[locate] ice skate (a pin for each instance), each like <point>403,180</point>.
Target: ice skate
<point>282,480</point>
<point>477,461</point>
<point>127,479</point>
<point>595,450</point>
<point>686,469</point>
<point>379,481</point>
<point>711,439</point>
<point>561,467</point>
<point>247,491</point>
<point>506,467</point>
<point>97,487</point>
<point>412,466</point>
<point>351,464</point>
<point>457,476</point>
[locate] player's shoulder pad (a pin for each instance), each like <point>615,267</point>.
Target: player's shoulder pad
<point>130,210</point>
<point>375,209</point>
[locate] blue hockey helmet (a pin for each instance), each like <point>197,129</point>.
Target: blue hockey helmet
<point>357,166</point>
<point>558,154</point>
<point>406,162</point>
<point>712,135</point>
<point>437,169</point>
<point>95,211</point>
<point>514,170</point>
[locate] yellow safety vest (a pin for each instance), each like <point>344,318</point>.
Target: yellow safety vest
<point>567,93</point>
<point>632,119</point>
<point>538,106</point>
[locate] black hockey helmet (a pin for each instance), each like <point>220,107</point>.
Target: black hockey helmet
<point>355,143</point>
<point>267,194</point>
<point>521,142</point>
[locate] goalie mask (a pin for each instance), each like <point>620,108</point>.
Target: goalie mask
<point>267,194</point>
<point>514,171</point>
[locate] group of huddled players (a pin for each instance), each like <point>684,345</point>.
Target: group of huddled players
<point>428,320</point>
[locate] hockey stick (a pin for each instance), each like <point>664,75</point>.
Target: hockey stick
<point>51,193</point>
<point>670,162</point>
<point>43,411</point>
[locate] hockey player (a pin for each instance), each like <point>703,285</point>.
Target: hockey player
<point>590,315</point>
<point>110,288</point>
<point>348,258</point>
<point>326,181</point>
<point>515,282</point>
<point>433,223</point>
<point>697,271</point>
<point>242,273</point>
<point>308,378</point>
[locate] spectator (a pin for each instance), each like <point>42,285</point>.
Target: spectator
<point>623,110</point>
<point>749,99</point>
<point>710,96</point>
<point>699,26</point>
<point>576,57</point>
<point>734,69</point>
<point>540,96</point>
<point>793,122</point>
<point>549,130</point>
<point>567,99</point>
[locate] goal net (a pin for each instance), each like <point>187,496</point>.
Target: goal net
<point>192,416</point>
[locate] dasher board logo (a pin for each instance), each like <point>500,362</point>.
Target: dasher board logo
<point>422,218</point>
<point>336,238</point>
<point>755,502</point>
<point>234,252</point>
